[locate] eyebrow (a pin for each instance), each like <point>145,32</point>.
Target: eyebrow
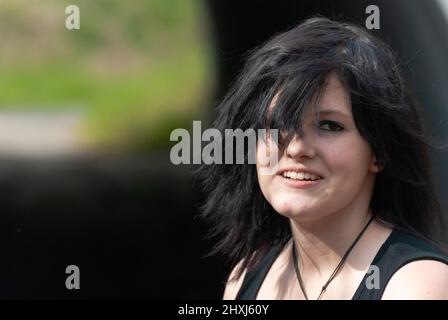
<point>333,111</point>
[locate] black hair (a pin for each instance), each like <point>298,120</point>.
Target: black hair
<point>295,64</point>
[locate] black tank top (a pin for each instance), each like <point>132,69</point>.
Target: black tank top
<point>398,250</point>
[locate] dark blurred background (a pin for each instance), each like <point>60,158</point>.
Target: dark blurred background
<point>85,120</point>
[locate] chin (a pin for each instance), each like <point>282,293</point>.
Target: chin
<point>292,211</point>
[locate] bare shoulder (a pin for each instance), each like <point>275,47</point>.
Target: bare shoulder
<point>419,280</point>
<point>233,284</point>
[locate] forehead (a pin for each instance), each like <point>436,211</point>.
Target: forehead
<point>329,97</point>
<point>334,97</point>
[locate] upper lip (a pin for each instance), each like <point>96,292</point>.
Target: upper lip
<point>299,169</point>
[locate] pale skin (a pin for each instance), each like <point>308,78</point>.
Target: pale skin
<point>326,218</point>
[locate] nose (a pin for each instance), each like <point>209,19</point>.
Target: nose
<point>300,147</point>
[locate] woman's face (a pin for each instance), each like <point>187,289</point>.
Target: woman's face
<point>333,150</point>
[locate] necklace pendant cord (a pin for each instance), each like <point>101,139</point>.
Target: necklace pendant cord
<point>336,270</point>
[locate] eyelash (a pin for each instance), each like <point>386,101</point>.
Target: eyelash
<point>331,123</point>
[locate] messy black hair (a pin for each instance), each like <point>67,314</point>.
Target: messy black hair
<point>294,65</point>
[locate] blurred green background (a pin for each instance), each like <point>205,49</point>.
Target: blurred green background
<point>133,72</point>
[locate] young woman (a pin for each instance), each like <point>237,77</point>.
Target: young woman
<point>350,211</point>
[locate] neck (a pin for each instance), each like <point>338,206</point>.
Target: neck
<point>321,244</point>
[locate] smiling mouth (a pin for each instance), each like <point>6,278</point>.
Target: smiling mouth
<point>300,176</point>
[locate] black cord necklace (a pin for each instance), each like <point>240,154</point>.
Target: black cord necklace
<point>335,272</point>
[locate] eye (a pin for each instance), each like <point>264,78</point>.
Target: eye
<point>328,125</point>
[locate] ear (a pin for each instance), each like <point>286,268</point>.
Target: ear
<point>375,166</point>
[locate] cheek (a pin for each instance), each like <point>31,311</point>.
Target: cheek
<point>353,156</point>
<point>349,167</point>
<point>264,151</point>
<point>264,183</point>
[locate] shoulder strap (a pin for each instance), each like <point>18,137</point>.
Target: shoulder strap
<point>255,277</point>
<point>398,250</point>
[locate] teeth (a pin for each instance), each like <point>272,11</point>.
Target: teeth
<point>300,175</point>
